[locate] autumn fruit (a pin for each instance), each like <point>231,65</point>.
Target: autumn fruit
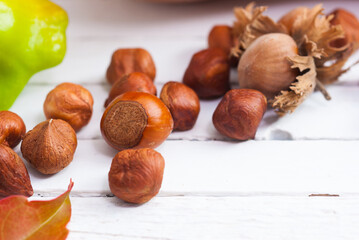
<point>183,104</point>
<point>239,113</point>
<point>133,82</point>
<point>12,129</point>
<point>14,178</point>
<point>295,55</point>
<point>136,120</point>
<point>136,175</point>
<point>264,65</point>
<point>128,60</point>
<point>50,146</point>
<point>208,73</point>
<point>70,102</point>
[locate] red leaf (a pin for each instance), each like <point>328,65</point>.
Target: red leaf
<point>40,220</point>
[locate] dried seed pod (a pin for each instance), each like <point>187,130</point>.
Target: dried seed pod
<point>71,103</point>
<point>127,60</point>
<point>208,73</point>
<point>136,175</point>
<point>133,82</point>
<point>12,129</point>
<point>183,104</point>
<point>136,120</point>
<point>289,19</point>
<point>349,23</point>
<point>239,113</point>
<point>50,146</point>
<point>14,178</point>
<point>264,66</point>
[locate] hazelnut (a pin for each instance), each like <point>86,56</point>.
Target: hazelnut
<point>208,73</point>
<point>264,65</point>
<point>133,82</point>
<point>50,146</point>
<point>350,25</point>
<point>183,104</point>
<point>239,113</point>
<point>221,36</point>
<point>136,175</point>
<point>128,60</point>
<point>12,129</point>
<point>71,103</point>
<point>14,178</point>
<point>136,120</point>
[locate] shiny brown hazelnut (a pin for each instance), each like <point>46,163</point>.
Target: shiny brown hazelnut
<point>136,175</point>
<point>50,146</point>
<point>183,104</point>
<point>350,25</point>
<point>208,73</point>
<point>136,120</point>
<point>221,36</point>
<point>133,82</point>
<point>14,178</point>
<point>239,113</point>
<point>12,129</point>
<point>71,103</point>
<point>127,60</point>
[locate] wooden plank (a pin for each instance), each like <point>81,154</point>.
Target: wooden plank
<point>142,18</point>
<point>215,168</point>
<point>316,118</point>
<point>87,59</point>
<point>249,218</point>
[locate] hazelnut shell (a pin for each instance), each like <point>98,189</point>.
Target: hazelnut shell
<point>239,113</point>
<point>183,104</point>
<point>12,129</point>
<point>264,66</point>
<point>136,175</point>
<point>133,82</point>
<point>50,146</point>
<point>208,73</point>
<point>221,36</point>
<point>14,178</point>
<point>127,60</point>
<point>136,120</point>
<point>71,103</point>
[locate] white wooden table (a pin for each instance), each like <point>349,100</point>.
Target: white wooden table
<point>213,188</point>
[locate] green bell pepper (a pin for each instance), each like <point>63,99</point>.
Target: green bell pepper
<point>32,38</point>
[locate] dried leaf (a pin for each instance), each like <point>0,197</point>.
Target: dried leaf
<point>304,23</point>
<point>314,35</point>
<point>288,101</point>
<point>250,25</point>
<point>35,220</point>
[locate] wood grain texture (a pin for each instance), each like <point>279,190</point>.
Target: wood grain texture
<point>216,168</point>
<point>315,119</point>
<point>253,218</point>
<point>213,188</point>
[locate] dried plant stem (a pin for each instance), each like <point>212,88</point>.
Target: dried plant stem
<point>320,86</point>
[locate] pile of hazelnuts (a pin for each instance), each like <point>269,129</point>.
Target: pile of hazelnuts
<point>134,121</point>
<point>50,146</point>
